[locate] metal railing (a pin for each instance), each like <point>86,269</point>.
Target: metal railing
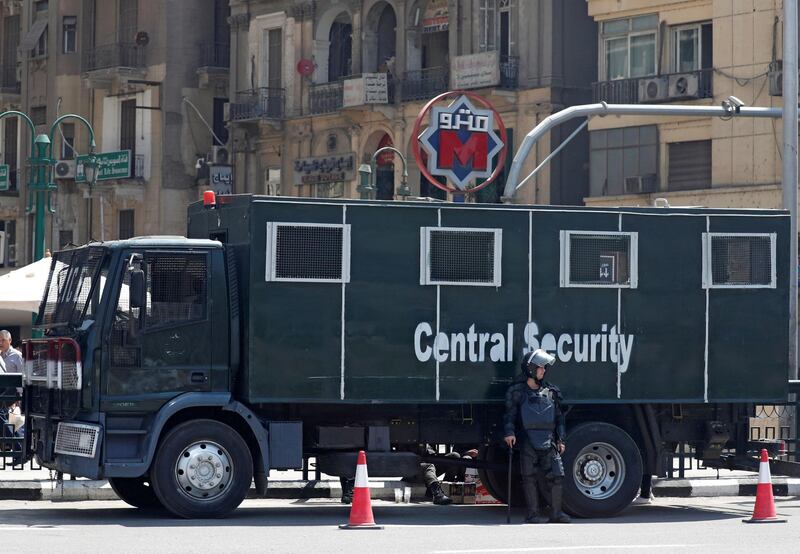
<point>215,54</point>
<point>626,91</point>
<point>509,72</point>
<point>325,97</point>
<point>424,84</point>
<point>264,102</point>
<point>8,79</point>
<point>114,55</point>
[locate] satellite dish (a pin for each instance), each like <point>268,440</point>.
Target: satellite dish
<point>142,38</point>
<point>305,67</point>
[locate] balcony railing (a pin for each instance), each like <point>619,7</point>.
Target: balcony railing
<point>215,54</point>
<point>670,86</point>
<point>266,103</point>
<point>325,98</point>
<point>509,72</point>
<point>424,84</point>
<point>114,55</point>
<point>8,79</point>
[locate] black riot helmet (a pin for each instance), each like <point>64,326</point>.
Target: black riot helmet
<point>534,359</point>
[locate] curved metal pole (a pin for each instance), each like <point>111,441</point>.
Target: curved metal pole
<point>27,119</point>
<point>602,109</point>
<point>54,126</point>
<point>404,191</point>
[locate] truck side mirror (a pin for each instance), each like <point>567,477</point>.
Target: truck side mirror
<point>137,288</point>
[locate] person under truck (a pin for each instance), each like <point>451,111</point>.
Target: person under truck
<point>536,404</point>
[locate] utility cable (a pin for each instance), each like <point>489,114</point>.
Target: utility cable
<point>213,134</point>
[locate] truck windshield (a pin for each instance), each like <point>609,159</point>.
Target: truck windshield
<point>74,287</point>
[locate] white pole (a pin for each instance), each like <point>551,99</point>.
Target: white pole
<point>790,129</point>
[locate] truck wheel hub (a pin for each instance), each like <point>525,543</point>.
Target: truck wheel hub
<point>599,470</point>
<point>203,470</point>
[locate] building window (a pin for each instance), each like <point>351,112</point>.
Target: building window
<point>10,150</point>
<point>274,57</point>
<point>70,33</point>
<point>308,252</point>
<point>689,165</point>
<point>41,5</point>
<point>218,124</point>
<point>39,115</point>
<point>67,141</point>
<point>599,259</point>
<point>628,47</point>
<point>65,239</point>
<point>128,20</point>
<point>692,47</point>
<point>461,256</point>
<point>620,160</point>
<point>127,127</point>
<point>341,48</point>
<point>126,229</point>
<point>495,26</point>
<point>739,260</point>
<point>40,50</point>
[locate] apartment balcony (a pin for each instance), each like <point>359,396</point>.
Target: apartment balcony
<point>424,84</point>
<point>214,64</point>
<point>9,85</point>
<point>104,64</point>
<point>509,72</point>
<point>657,88</point>
<point>325,98</point>
<point>257,104</point>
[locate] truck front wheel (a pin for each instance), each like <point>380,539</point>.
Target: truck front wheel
<point>203,469</point>
<point>603,469</point>
<point>135,491</point>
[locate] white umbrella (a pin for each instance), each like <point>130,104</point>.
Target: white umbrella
<point>23,288</point>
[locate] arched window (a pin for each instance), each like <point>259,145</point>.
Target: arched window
<point>340,52</point>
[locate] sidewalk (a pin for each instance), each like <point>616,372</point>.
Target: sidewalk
<point>30,484</point>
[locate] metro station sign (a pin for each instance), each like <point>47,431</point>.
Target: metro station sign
<point>461,143</point>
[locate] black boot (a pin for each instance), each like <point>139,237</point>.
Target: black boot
<point>532,502</point>
<point>439,497</point>
<point>347,490</point>
<point>556,515</point>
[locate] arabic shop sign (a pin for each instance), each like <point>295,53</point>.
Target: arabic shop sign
<point>110,165</point>
<point>475,70</point>
<point>326,169</point>
<point>461,143</point>
<point>436,17</point>
<point>4,177</point>
<point>369,88</point>
<point>220,177</point>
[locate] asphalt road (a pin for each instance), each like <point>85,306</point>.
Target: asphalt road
<point>669,525</point>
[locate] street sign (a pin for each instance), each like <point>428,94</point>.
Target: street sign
<point>461,143</point>
<point>110,165</point>
<point>4,184</point>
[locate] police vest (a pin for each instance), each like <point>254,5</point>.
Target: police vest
<point>538,412</point>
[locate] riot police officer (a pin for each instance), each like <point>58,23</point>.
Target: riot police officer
<point>536,404</point>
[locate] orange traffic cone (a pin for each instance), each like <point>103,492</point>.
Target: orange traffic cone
<point>361,510</point>
<point>764,510</point>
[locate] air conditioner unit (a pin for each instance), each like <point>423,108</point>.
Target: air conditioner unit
<point>641,184</point>
<point>684,85</point>
<point>219,155</point>
<point>653,89</point>
<point>65,169</point>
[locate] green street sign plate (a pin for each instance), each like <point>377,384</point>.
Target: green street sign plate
<point>4,183</point>
<point>110,165</point>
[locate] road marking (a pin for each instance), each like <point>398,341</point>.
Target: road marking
<point>585,547</point>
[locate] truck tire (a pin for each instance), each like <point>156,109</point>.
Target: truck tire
<point>496,481</point>
<point>203,469</point>
<point>136,492</point>
<point>603,470</point>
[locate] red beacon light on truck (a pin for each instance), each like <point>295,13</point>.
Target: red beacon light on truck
<point>209,199</point>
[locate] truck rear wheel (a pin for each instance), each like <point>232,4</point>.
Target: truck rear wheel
<point>203,469</point>
<point>603,470</point>
<point>136,492</point>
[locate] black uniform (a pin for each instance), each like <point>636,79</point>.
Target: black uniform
<point>538,412</point>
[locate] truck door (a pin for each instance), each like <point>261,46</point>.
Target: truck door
<point>163,347</point>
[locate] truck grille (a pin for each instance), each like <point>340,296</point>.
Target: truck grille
<point>77,439</point>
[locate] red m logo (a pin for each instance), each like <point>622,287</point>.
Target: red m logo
<point>473,154</point>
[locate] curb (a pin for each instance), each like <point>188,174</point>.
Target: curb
<point>84,489</point>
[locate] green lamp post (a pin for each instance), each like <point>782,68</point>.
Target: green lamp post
<point>367,173</point>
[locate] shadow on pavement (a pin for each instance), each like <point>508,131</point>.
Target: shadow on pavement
<point>305,514</point>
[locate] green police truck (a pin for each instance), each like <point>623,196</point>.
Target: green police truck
<point>283,329</point>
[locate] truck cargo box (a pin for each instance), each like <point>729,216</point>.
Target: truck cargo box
<point>346,301</point>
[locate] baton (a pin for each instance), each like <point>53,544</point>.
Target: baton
<point>510,459</point>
